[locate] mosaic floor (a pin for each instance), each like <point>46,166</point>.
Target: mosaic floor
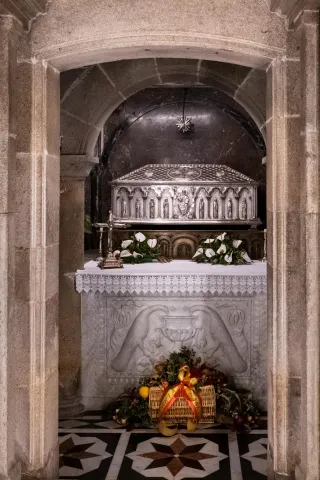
<point>91,448</point>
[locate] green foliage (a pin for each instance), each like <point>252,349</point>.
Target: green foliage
<point>131,409</point>
<point>239,406</point>
<point>221,250</point>
<point>139,248</point>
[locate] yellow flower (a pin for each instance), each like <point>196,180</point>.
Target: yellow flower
<point>144,392</point>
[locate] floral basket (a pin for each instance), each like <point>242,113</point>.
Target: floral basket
<point>180,412</point>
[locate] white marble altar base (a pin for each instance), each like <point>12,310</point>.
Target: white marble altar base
<point>133,317</point>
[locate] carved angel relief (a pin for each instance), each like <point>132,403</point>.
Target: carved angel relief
<point>201,329</point>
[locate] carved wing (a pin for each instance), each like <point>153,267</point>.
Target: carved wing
<point>135,337</point>
<point>219,332</point>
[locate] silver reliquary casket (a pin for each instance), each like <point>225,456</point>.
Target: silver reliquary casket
<point>185,194</point>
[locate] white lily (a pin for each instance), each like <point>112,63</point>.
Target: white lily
<point>236,243</point>
<point>136,254</point>
<point>198,252</point>
<point>222,248</point>
<point>152,242</point>
<point>140,237</point>
<point>116,253</point>
<point>126,243</point>
<point>209,240</point>
<point>228,258</point>
<point>246,257</point>
<point>221,237</point>
<point>210,253</point>
<point>125,253</point>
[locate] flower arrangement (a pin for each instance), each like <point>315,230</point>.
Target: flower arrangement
<point>222,250</point>
<point>234,408</point>
<point>138,249</point>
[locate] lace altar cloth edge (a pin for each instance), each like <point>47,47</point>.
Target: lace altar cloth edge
<point>176,278</point>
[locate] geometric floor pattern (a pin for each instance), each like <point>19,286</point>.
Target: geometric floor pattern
<point>92,448</point>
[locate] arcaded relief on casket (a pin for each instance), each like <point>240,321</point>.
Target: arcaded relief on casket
<point>184,251</point>
<point>152,209</point>
<point>138,208</point>
<point>215,209</point>
<point>244,209</point>
<point>229,209</point>
<point>166,214</point>
<point>140,337</point>
<point>124,209</point>
<point>206,193</point>
<point>201,209</point>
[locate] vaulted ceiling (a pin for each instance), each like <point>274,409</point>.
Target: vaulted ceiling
<point>89,95</point>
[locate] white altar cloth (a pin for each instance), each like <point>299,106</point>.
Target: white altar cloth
<point>178,276</point>
<point>178,267</point>
<point>134,316</point>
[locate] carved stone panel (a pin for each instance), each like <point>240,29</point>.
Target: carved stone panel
<point>123,337</point>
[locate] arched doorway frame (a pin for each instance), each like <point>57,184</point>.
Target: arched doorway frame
<point>283,219</point>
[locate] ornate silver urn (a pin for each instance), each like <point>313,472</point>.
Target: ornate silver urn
<point>185,194</point>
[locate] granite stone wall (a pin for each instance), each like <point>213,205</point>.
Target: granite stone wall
<point>76,34</point>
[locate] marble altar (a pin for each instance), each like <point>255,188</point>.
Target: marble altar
<point>132,317</point>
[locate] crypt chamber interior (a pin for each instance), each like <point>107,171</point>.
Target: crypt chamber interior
<point>92,122</point>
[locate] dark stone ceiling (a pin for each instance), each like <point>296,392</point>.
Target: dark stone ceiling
<point>143,130</point>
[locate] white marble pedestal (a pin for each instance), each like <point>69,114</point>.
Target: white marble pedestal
<point>135,316</point>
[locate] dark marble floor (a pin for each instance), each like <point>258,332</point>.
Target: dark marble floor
<point>92,448</point>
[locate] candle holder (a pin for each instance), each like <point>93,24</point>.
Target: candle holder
<point>110,261</point>
<point>100,227</point>
<point>264,245</point>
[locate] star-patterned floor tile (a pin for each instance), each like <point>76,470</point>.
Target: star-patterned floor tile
<point>253,456</point>
<point>93,448</point>
<point>176,457</point>
<point>79,455</point>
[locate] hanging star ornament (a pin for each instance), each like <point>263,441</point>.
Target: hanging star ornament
<point>184,124</point>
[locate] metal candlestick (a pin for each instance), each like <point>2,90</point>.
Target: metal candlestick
<point>101,227</point>
<point>264,245</point>
<point>111,261</point>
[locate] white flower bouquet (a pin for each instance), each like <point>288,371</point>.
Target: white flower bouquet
<point>222,250</point>
<point>139,249</point>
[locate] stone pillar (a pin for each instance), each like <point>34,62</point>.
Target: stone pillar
<point>309,469</point>
<point>37,260</point>
<point>285,281</point>
<point>9,463</point>
<point>74,170</point>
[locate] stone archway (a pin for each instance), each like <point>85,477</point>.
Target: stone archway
<point>293,191</point>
